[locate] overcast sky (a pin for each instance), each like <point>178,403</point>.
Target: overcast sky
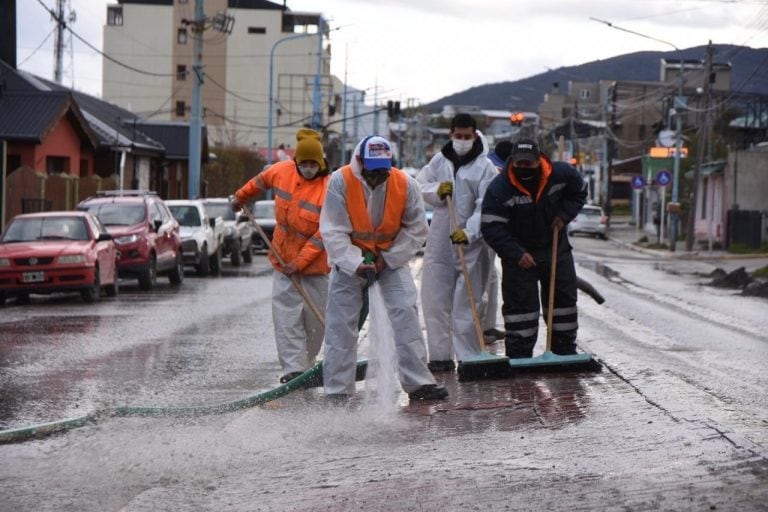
<point>427,49</point>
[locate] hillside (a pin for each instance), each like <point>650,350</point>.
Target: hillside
<point>749,75</point>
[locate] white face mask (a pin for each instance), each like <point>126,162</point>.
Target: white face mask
<point>462,147</point>
<point>309,171</point>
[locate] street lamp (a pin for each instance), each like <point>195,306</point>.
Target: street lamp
<point>679,105</point>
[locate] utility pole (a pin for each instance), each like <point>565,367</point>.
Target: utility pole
<point>195,118</point>
<point>317,117</point>
<point>223,23</point>
<point>58,46</point>
<point>700,140</point>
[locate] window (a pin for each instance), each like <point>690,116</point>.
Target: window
<point>181,36</point>
<point>257,30</point>
<point>83,167</point>
<point>584,94</point>
<point>56,165</point>
<point>181,108</point>
<point>181,72</point>
<point>115,15</point>
<point>12,163</point>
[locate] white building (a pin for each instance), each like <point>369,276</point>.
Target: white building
<point>156,37</point>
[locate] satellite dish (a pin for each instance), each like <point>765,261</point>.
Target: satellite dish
<point>667,138</point>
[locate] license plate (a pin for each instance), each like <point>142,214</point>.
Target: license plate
<point>33,277</point>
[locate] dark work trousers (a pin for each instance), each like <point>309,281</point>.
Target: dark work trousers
<point>520,293</point>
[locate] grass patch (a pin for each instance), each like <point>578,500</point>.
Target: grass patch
<point>761,272</point>
<point>746,249</point>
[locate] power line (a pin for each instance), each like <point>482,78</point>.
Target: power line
<point>36,49</point>
<point>89,45</point>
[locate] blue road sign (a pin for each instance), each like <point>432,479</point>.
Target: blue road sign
<point>638,182</point>
<point>663,178</point>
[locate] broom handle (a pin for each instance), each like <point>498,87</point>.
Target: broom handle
<point>467,282</point>
<point>296,283</point>
<point>551,298</point>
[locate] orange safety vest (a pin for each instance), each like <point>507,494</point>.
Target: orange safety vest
<point>297,215</point>
<point>364,235</point>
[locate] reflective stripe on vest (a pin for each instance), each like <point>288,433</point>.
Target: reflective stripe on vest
<point>364,235</point>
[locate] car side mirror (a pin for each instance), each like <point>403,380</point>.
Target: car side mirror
<point>103,237</point>
<point>212,222</point>
<point>157,225</point>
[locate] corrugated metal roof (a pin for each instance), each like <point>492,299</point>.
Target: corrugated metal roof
<point>174,136</point>
<point>29,115</point>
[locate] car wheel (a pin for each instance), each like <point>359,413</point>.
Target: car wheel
<point>216,262</point>
<point>235,256</point>
<point>92,293</point>
<point>176,275</point>
<point>22,298</point>
<point>204,267</point>
<point>248,253</point>
<point>148,279</point>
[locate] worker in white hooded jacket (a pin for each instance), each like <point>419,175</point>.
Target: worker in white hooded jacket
<point>461,170</point>
<point>372,224</point>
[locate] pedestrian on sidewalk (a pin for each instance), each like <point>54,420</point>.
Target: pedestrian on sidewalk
<point>374,209</point>
<point>461,170</point>
<point>521,208</point>
<point>299,190</point>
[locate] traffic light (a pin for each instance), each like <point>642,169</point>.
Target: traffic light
<point>517,119</point>
<point>393,109</point>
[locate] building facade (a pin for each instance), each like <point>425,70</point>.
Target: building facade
<point>242,41</point>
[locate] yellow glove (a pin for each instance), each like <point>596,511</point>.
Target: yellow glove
<point>459,237</point>
<point>445,189</point>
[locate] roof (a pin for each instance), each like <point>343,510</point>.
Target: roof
<point>174,136</point>
<point>30,116</point>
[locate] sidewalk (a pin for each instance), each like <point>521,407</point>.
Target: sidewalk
<point>626,234</point>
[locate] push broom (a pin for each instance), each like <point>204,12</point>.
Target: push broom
<point>549,360</point>
<point>483,365</point>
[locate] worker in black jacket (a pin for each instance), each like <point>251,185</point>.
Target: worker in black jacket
<point>521,207</point>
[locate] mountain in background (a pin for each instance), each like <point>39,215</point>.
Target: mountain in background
<point>749,74</point>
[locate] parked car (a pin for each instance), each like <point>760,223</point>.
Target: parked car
<point>145,232</point>
<point>238,233</point>
<point>591,220</point>
<point>57,252</point>
<point>264,213</point>
<point>202,237</point>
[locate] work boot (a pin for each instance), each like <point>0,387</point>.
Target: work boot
<point>494,334</point>
<point>289,377</point>
<point>337,398</point>
<point>517,348</point>
<point>429,392</point>
<point>568,349</point>
<point>441,366</point>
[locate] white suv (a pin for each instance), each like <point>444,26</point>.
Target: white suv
<point>202,237</point>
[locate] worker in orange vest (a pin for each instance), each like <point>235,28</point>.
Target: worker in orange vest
<point>373,209</point>
<point>299,190</point>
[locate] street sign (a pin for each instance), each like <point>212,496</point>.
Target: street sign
<point>638,182</point>
<point>663,178</point>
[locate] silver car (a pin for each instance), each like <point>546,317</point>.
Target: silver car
<point>591,221</point>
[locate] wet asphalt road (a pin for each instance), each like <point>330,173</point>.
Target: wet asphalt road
<point>678,419</point>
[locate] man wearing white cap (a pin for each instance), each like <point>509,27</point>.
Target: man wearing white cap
<point>373,209</point>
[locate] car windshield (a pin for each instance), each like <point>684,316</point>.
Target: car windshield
<point>186,215</point>
<point>222,210</point>
<point>591,212</point>
<point>118,214</point>
<point>46,228</point>
<point>264,210</point>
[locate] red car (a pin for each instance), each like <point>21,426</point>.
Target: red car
<point>146,234</point>
<point>57,252</point>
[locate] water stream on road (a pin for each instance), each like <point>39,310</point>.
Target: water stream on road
<point>382,383</point>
